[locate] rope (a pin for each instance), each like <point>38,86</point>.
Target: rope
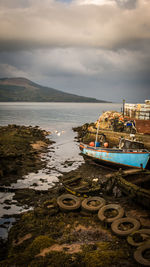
<point>63,143</point>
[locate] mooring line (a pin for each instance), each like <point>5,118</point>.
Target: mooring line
<point>63,143</point>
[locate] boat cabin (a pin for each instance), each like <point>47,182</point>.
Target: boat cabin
<point>130,144</point>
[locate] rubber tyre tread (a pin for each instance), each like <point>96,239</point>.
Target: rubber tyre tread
<point>86,207</point>
<point>117,207</point>
<point>141,231</point>
<point>65,207</point>
<point>116,223</point>
<point>138,254</point>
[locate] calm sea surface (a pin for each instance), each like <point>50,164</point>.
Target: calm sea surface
<point>58,118</point>
<point>52,115</point>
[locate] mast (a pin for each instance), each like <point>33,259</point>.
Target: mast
<point>97,133</point>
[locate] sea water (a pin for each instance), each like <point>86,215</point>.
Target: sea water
<point>59,119</point>
<point>64,154</point>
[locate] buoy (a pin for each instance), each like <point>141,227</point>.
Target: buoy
<point>92,144</point>
<point>106,144</point>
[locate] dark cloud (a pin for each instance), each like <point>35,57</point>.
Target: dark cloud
<point>15,3</point>
<point>98,50</point>
<point>50,24</point>
<point>128,4</point>
<point>97,73</point>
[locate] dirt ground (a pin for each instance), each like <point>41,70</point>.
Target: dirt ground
<point>50,236</point>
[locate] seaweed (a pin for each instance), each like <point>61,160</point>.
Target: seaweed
<point>18,153</point>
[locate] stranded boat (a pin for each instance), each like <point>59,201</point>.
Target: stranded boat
<point>130,153</point>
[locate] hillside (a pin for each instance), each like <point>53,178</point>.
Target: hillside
<point>22,89</point>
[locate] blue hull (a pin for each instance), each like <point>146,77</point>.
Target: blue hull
<point>131,158</point>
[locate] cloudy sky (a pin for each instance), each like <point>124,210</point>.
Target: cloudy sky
<point>97,48</point>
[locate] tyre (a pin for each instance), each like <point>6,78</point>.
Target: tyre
<point>140,253</point>
<point>119,213</point>
<point>138,238</point>
<point>68,202</point>
<point>124,232</point>
<point>89,205</point>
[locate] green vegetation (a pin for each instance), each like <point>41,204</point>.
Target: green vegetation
<point>20,148</point>
<point>20,89</point>
<point>47,236</point>
<point>105,255</point>
<point>69,239</point>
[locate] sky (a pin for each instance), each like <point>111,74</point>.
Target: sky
<point>94,48</point>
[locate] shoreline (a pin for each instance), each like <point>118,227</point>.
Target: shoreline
<point>49,236</point>
<point>20,149</point>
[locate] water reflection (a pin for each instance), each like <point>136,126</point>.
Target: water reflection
<point>63,156</point>
<point>8,207</point>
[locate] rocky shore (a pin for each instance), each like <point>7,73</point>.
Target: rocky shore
<point>20,149</point>
<point>50,236</point>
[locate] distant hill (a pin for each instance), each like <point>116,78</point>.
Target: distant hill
<point>22,89</point>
